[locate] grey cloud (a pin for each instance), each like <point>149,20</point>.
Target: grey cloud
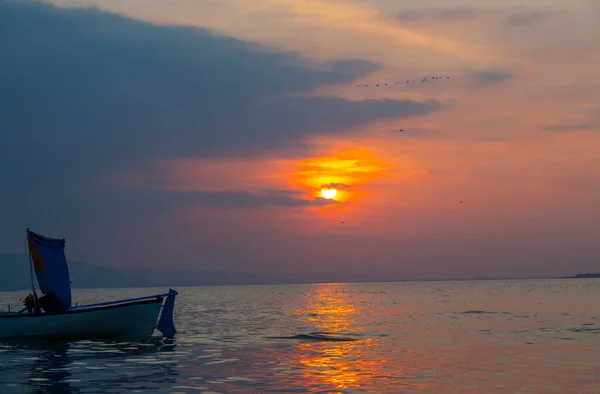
<point>443,14</point>
<point>88,92</point>
<point>469,14</point>
<point>572,127</point>
<point>97,209</point>
<point>339,186</point>
<point>142,203</point>
<point>240,199</point>
<point>489,77</point>
<point>523,19</point>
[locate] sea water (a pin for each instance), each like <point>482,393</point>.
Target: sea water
<point>520,336</point>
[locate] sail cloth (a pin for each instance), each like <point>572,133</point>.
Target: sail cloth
<point>50,264</point>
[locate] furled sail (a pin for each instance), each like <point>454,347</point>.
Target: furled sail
<point>50,264</point>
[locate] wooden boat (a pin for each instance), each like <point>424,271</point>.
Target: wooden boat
<point>55,318</point>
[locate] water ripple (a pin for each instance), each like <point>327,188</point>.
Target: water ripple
<point>451,337</point>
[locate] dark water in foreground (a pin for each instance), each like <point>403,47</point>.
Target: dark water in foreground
<point>437,337</point>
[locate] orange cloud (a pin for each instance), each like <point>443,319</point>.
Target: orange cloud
<point>348,171</point>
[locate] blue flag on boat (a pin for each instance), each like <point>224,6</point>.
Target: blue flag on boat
<point>50,264</point>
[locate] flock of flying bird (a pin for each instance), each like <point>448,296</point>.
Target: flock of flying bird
<point>425,79</point>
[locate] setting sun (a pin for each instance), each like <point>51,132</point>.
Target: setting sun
<point>328,194</point>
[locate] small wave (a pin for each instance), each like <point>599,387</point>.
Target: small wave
<point>586,328</point>
<point>215,310</point>
<point>318,336</point>
<point>549,329</point>
<point>484,312</point>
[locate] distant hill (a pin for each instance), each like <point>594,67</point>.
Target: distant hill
<point>584,276</point>
<point>14,276</point>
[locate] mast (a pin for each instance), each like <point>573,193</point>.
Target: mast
<point>35,299</point>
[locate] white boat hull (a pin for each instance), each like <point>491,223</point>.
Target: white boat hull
<point>131,320</point>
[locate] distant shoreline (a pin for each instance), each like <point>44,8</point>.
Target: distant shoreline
<point>583,276</point>
<point>15,276</point>
<point>292,283</point>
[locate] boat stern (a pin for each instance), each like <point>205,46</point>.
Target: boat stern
<point>165,323</point>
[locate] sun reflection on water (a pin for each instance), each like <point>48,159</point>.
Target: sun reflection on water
<point>329,308</point>
<point>332,312</point>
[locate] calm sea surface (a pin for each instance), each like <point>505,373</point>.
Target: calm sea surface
<point>538,336</point>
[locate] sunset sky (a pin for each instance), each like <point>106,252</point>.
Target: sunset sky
<point>199,134</point>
